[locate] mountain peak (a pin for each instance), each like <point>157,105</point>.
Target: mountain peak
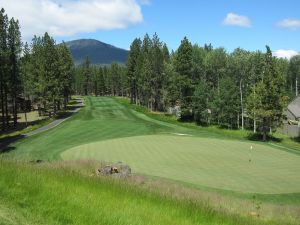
<point>97,51</point>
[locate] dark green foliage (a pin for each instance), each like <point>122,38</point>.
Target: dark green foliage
<point>266,102</point>
<point>208,85</point>
<point>14,81</point>
<point>47,74</point>
<point>183,67</point>
<point>203,84</point>
<point>10,76</point>
<point>132,68</point>
<point>93,80</point>
<point>87,74</point>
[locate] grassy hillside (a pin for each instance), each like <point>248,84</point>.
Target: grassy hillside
<point>106,129</point>
<point>110,131</point>
<point>43,194</point>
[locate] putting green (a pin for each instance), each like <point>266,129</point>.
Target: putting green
<point>222,164</point>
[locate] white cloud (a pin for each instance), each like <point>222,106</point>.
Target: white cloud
<point>292,24</point>
<point>232,19</point>
<point>69,17</point>
<point>282,53</point>
<point>145,2</point>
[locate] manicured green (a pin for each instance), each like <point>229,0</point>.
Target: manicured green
<point>221,164</point>
<point>47,195</point>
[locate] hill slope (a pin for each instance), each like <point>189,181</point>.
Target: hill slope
<point>97,51</point>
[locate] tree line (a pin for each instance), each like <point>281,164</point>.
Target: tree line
<point>242,89</point>
<point>38,74</point>
<point>106,80</point>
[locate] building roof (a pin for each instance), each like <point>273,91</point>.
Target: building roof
<point>294,107</point>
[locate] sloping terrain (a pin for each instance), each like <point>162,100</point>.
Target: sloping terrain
<point>106,130</point>
<point>98,52</point>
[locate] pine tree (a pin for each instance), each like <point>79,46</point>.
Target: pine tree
<point>14,46</point>
<point>183,66</point>
<point>66,70</point>
<point>132,64</point>
<point>3,68</point>
<point>87,76</point>
<point>267,99</point>
<point>25,78</point>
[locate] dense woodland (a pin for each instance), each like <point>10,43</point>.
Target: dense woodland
<point>238,90</point>
<point>241,90</point>
<point>37,76</point>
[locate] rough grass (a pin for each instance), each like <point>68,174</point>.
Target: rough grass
<point>41,194</point>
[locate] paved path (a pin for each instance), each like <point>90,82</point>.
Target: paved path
<point>55,123</point>
<point>49,126</point>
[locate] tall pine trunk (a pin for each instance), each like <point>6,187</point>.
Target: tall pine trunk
<point>2,106</point>
<point>296,87</point>
<point>25,113</point>
<point>6,109</point>
<point>242,104</point>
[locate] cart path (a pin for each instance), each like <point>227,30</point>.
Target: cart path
<point>55,123</point>
<point>49,126</point>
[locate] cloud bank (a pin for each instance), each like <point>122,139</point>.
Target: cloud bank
<point>292,24</point>
<point>68,17</point>
<point>232,19</point>
<point>288,54</point>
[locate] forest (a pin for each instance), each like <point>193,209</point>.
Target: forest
<point>235,90</point>
<point>238,90</point>
<point>32,76</point>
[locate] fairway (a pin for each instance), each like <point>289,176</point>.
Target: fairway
<point>221,164</point>
<point>107,130</point>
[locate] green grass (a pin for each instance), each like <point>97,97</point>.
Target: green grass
<point>278,139</point>
<point>100,119</point>
<point>35,122</point>
<point>221,164</point>
<point>41,194</point>
<point>110,130</point>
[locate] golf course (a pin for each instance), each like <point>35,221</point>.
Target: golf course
<point>108,131</point>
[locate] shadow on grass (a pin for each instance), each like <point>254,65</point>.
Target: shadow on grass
<point>21,126</point>
<point>259,137</point>
<point>296,139</point>
<point>6,141</point>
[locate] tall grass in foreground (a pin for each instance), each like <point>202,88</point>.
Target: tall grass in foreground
<point>41,194</point>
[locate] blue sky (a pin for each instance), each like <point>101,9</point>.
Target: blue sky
<point>202,22</point>
<point>250,24</point>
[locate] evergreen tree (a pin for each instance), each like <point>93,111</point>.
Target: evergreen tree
<point>14,46</point>
<point>267,99</point>
<point>87,76</point>
<point>132,68</point>
<point>66,70</point>
<point>4,69</point>
<point>183,66</point>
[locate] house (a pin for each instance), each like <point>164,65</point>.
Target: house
<point>291,126</point>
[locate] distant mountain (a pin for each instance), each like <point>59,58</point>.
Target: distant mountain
<point>97,51</point>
